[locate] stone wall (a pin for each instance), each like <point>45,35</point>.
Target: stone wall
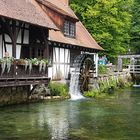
<point>107,81</point>
<point>13,95</point>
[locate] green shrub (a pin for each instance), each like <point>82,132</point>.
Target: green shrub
<point>58,89</point>
<point>92,93</point>
<point>102,69</point>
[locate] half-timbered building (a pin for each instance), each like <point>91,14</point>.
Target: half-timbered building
<point>71,40</point>
<point>45,30</point>
<point>24,29</point>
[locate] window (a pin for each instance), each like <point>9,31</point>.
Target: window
<point>66,28</point>
<point>69,29</point>
<point>40,53</point>
<point>72,29</point>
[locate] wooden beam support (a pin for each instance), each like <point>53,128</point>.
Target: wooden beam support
<point>45,34</point>
<point>12,31</point>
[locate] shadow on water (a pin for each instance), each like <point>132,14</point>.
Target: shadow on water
<point>100,119</point>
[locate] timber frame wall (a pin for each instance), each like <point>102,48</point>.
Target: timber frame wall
<point>18,39</point>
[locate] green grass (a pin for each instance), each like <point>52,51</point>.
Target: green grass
<point>58,89</point>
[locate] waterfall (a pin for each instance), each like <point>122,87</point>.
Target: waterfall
<point>74,89</point>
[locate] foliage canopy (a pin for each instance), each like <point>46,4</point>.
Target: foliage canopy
<point>115,24</point>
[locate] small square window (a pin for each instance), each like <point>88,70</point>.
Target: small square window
<point>72,29</point>
<point>69,29</point>
<point>66,28</point>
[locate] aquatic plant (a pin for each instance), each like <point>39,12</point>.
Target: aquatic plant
<point>102,69</point>
<point>58,89</point>
<point>107,86</point>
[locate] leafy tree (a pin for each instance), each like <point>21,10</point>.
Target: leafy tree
<point>135,29</point>
<point>108,21</point>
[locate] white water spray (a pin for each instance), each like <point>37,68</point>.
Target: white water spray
<point>74,89</point>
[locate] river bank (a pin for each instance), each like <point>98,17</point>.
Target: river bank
<point>107,84</point>
<point>104,85</point>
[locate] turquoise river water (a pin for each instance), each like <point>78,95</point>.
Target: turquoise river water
<point>114,118</point>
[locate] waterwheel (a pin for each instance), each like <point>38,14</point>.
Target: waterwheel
<point>87,69</point>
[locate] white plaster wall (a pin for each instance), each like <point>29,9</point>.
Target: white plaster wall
<point>7,38</point>
<point>9,49</point>
<point>26,37</point>
<point>54,68</point>
<point>18,51</point>
<point>18,47</point>
<point>56,71</point>
<point>67,70</point>
<point>62,71</point>
<point>0,46</point>
<point>60,67</point>
<point>8,46</point>
<point>67,56</point>
<point>55,54</point>
<point>62,55</point>
<point>50,72</point>
<point>19,37</point>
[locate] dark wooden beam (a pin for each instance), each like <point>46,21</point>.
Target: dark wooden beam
<point>45,34</point>
<point>12,31</point>
<point>14,38</point>
<point>3,38</point>
<point>13,82</point>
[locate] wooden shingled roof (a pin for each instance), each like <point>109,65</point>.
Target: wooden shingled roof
<point>83,38</point>
<point>26,10</point>
<point>60,7</point>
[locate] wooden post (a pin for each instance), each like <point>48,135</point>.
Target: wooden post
<point>45,36</point>
<point>96,64</point>
<point>119,64</point>
<point>14,39</point>
<point>46,54</point>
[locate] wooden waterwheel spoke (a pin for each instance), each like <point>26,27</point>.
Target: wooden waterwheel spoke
<point>84,82</point>
<point>90,67</point>
<point>85,73</point>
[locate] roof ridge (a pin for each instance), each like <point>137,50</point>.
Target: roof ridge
<point>55,7</point>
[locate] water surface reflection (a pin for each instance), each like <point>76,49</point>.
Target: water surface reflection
<point>107,119</point>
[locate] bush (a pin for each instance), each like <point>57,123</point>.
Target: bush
<point>102,69</point>
<point>92,93</point>
<point>58,89</point>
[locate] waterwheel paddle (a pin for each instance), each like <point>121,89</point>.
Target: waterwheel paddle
<point>81,76</point>
<point>86,73</point>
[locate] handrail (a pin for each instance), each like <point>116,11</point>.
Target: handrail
<point>134,68</point>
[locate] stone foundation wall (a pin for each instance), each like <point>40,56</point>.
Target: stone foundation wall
<point>107,81</point>
<point>13,95</point>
